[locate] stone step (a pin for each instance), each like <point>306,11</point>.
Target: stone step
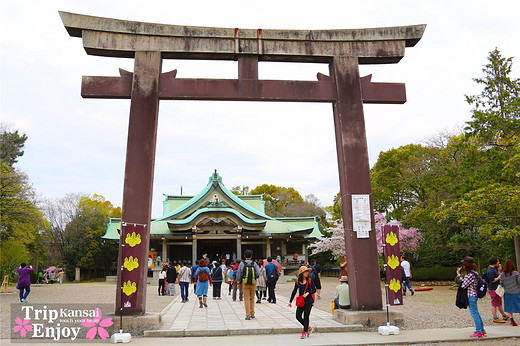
<point>248,331</point>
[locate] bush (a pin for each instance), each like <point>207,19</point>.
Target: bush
<point>34,277</point>
<point>434,273</point>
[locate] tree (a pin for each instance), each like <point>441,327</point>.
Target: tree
<point>287,202</point>
<point>20,221</point>
<point>84,246</point>
<point>59,213</point>
<point>493,207</point>
<point>496,113</point>
<point>400,179</point>
<point>240,190</point>
<point>410,238</point>
<point>11,145</point>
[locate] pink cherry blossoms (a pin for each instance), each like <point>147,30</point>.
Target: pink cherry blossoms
<point>409,238</point>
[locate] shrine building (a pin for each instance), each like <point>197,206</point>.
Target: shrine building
<point>217,222</point>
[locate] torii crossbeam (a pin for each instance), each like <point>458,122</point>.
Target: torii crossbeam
<point>343,50</point>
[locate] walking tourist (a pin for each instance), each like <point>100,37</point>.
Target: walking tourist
<point>193,279</point>
<point>246,276</point>
<point>510,279</point>
<point>469,281</point>
<point>407,275</point>
<point>343,266</point>
<point>271,272</point>
<point>171,279</point>
<point>229,278</point>
<point>24,281</point>
<point>342,300</point>
<point>162,281</point>
<point>184,281</point>
<point>261,283</point>
<point>493,280</point>
<point>217,276</point>
<point>315,276</point>
<point>306,289</point>
<point>61,275</point>
<point>203,278</point>
<point>40,277</point>
<point>236,284</point>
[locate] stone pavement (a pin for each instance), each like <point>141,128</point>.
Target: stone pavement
<point>226,317</point>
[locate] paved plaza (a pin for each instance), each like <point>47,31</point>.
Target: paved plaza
<point>227,317</point>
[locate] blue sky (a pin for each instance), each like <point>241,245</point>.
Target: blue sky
<point>78,145</point>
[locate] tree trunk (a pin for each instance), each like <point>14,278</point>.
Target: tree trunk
<point>516,239</point>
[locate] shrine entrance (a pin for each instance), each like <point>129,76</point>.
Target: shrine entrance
<point>344,88</point>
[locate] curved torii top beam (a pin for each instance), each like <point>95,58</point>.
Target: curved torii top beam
<point>121,38</point>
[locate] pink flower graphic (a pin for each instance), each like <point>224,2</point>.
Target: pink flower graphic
<point>93,331</point>
<point>22,326</point>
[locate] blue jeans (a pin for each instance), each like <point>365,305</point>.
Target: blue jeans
<point>473,309</point>
<point>337,306</point>
<point>406,283</point>
<point>184,290</point>
<point>27,291</point>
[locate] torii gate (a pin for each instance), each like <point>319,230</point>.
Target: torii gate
<point>343,50</point>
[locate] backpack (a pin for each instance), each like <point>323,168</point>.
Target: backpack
<point>203,275</point>
<point>314,273</point>
<point>482,287</point>
<point>217,274</point>
<point>249,276</point>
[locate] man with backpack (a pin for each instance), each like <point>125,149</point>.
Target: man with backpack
<point>315,276</point>
<point>246,276</point>
<point>492,276</point>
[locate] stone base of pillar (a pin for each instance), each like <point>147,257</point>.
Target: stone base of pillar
<point>135,325</point>
<point>371,319</point>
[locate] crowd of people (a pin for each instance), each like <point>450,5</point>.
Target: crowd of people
<point>506,280</point>
<point>255,281</point>
<point>251,282</point>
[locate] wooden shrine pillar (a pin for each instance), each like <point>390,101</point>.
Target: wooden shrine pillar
<point>354,178</point>
<point>140,161</point>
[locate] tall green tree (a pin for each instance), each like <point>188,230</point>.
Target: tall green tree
<point>11,145</point>
<point>83,245</point>
<point>493,207</point>
<point>20,221</point>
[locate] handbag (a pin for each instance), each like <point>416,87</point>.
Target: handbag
<point>462,300</point>
<point>300,300</point>
<point>500,291</point>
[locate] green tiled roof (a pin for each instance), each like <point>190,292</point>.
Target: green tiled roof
<point>249,210</point>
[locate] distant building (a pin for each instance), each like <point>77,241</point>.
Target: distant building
<point>217,222</point>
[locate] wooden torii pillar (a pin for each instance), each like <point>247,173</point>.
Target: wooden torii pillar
<point>343,50</point>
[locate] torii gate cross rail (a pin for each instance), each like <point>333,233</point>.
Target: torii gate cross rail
<point>343,50</point>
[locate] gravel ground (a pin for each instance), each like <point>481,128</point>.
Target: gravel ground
<point>425,310</point>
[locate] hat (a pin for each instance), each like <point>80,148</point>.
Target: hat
<point>344,278</point>
<point>303,269</point>
<point>467,259</point>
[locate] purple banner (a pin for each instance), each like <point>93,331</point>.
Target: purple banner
<point>393,264</point>
<point>132,257</point>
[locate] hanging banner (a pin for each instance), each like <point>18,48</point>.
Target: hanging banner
<point>132,251</point>
<point>393,264</point>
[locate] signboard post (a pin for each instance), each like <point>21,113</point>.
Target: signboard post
<point>394,294</point>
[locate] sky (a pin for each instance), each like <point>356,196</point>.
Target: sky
<point>78,145</point>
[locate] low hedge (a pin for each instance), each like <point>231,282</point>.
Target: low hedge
<point>434,273</point>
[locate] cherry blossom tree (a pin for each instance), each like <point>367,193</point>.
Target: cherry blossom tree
<point>409,238</point>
